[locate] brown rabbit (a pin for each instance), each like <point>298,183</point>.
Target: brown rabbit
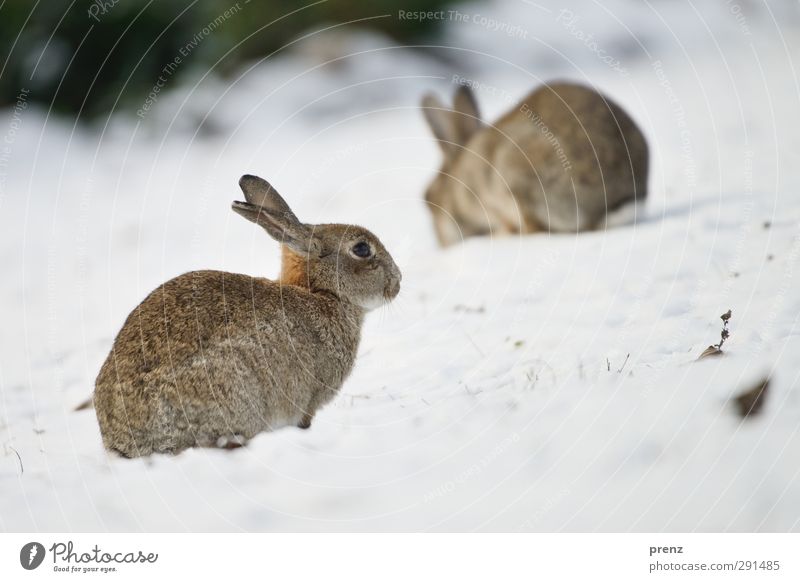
<point>566,159</point>
<point>212,358</point>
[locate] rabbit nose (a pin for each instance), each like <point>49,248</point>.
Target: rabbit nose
<point>396,274</point>
<point>393,286</point>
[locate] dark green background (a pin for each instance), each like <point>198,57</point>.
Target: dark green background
<point>88,65</point>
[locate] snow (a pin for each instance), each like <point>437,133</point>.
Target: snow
<point>542,383</point>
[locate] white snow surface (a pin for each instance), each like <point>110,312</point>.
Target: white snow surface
<point>542,383</point>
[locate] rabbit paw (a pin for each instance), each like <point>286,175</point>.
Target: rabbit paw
<point>233,441</point>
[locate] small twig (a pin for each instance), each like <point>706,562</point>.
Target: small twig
<point>475,345</point>
<point>623,364</point>
<point>608,364</point>
<point>21,466</point>
<point>716,349</point>
<point>725,317</point>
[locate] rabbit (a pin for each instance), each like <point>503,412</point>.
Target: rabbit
<point>565,159</point>
<point>210,359</point>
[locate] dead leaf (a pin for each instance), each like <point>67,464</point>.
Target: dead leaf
<point>710,351</point>
<point>751,401</point>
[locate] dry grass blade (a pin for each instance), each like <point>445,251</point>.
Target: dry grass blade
<point>86,404</point>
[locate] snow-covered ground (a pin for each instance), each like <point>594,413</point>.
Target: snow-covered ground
<point>536,383</point>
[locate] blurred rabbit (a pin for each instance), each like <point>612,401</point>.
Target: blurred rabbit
<point>566,159</point>
<point>212,358</point>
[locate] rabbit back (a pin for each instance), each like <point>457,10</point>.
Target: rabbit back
<point>561,160</point>
<point>210,354</point>
<point>572,155</point>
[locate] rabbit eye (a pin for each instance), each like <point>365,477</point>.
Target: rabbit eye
<point>361,250</point>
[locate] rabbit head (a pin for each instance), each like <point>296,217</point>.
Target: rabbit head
<point>452,127</point>
<point>343,259</point>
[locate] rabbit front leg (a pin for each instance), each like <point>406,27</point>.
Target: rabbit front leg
<point>323,395</point>
<point>308,412</point>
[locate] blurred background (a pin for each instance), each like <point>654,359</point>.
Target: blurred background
<point>90,58</point>
<point>528,383</point>
<point>95,57</point>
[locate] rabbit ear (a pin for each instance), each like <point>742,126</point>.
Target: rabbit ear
<point>259,192</point>
<point>441,121</point>
<point>269,210</point>
<point>453,127</point>
<point>468,116</point>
